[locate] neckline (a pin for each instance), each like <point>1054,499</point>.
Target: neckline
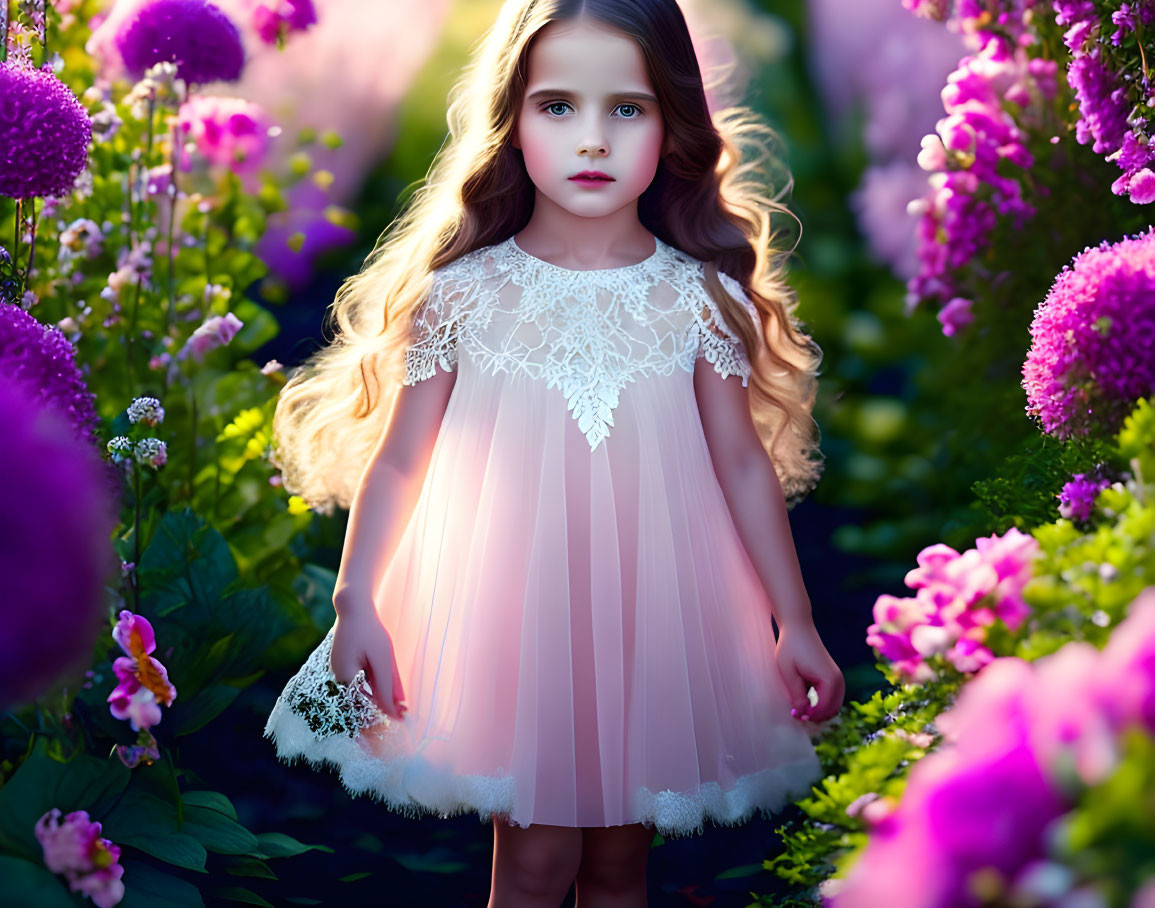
<point>649,259</point>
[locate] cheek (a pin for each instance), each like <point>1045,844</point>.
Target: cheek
<point>535,149</point>
<point>645,154</point>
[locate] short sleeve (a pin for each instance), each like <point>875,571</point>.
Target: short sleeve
<point>717,341</point>
<point>435,332</point>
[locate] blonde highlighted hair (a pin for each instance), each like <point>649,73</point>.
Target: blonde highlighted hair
<point>706,199</point>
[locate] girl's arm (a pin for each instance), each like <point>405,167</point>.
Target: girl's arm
<point>758,507</point>
<point>753,492</point>
<point>389,488</point>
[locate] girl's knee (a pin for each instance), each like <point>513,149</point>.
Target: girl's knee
<point>539,860</point>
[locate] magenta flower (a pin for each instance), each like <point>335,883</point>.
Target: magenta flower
<point>1093,339</point>
<point>958,596</point>
<point>274,19</point>
<point>196,35</point>
<point>970,157</point>
<point>44,133</point>
<point>76,849</point>
<point>1077,498</point>
<point>230,132</point>
<point>144,683</point>
<point>216,331</point>
<point>989,795</point>
<point>62,510</point>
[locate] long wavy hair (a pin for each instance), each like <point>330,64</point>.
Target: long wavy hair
<point>707,198</point>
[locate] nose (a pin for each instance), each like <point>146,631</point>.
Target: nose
<point>594,141</point>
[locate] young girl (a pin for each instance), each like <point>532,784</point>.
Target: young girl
<point>573,390</point>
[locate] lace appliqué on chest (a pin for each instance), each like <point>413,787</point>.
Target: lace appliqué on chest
<point>586,333</point>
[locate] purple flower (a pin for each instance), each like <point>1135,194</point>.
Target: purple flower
<point>1093,339</point>
<point>273,19</point>
<point>54,546</point>
<point>198,36</point>
<point>41,357</point>
<point>1078,496</point>
<point>969,188</point>
<point>44,133</point>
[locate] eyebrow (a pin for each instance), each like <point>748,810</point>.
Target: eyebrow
<point>543,93</point>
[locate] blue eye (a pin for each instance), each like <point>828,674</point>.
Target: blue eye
<point>549,108</point>
<point>637,111</point>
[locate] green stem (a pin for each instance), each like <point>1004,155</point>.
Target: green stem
<point>16,250</point>
<point>136,535</point>
<point>192,459</point>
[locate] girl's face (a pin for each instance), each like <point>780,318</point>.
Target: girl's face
<point>589,107</point>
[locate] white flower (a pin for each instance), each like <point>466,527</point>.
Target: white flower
<point>147,410</point>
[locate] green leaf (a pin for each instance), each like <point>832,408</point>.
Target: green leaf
<point>242,895</point>
<point>279,845</point>
<point>41,783</point>
<point>150,824</point>
<point>187,561</point>
<point>218,832</point>
<point>210,800</point>
<point>194,715</point>
<point>250,866</point>
<point>31,884</point>
<point>147,887</point>
<point>744,870</point>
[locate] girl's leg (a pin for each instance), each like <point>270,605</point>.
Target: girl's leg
<point>535,866</point>
<point>613,867</point>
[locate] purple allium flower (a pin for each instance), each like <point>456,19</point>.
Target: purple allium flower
<point>1078,496</point>
<point>196,35</point>
<point>54,546</point>
<point>1093,339</point>
<point>273,19</point>
<point>41,357</point>
<point>44,133</point>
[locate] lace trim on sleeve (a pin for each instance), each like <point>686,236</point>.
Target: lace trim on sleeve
<point>717,341</point>
<point>436,331</point>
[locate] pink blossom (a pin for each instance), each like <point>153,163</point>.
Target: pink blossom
<point>143,681</point>
<point>230,132</point>
<point>75,849</point>
<point>274,19</point>
<point>958,595</point>
<point>216,331</point>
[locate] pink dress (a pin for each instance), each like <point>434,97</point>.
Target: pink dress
<point>582,638</point>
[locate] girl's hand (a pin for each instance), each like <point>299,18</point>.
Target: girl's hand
<point>804,661</point>
<point>359,641</point>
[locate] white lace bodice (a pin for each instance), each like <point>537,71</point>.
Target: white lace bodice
<point>587,333</point>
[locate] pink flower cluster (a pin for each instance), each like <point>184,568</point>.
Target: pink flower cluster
<point>977,138</point>
<point>1093,339</point>
<point>144,683</point>
<point>230,132</point>
<point>957,597</point>
<point>75,849</point>
<point>1112,107</point>
<point>1020,743</point>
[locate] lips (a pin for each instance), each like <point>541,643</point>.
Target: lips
<point>592,176</point>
